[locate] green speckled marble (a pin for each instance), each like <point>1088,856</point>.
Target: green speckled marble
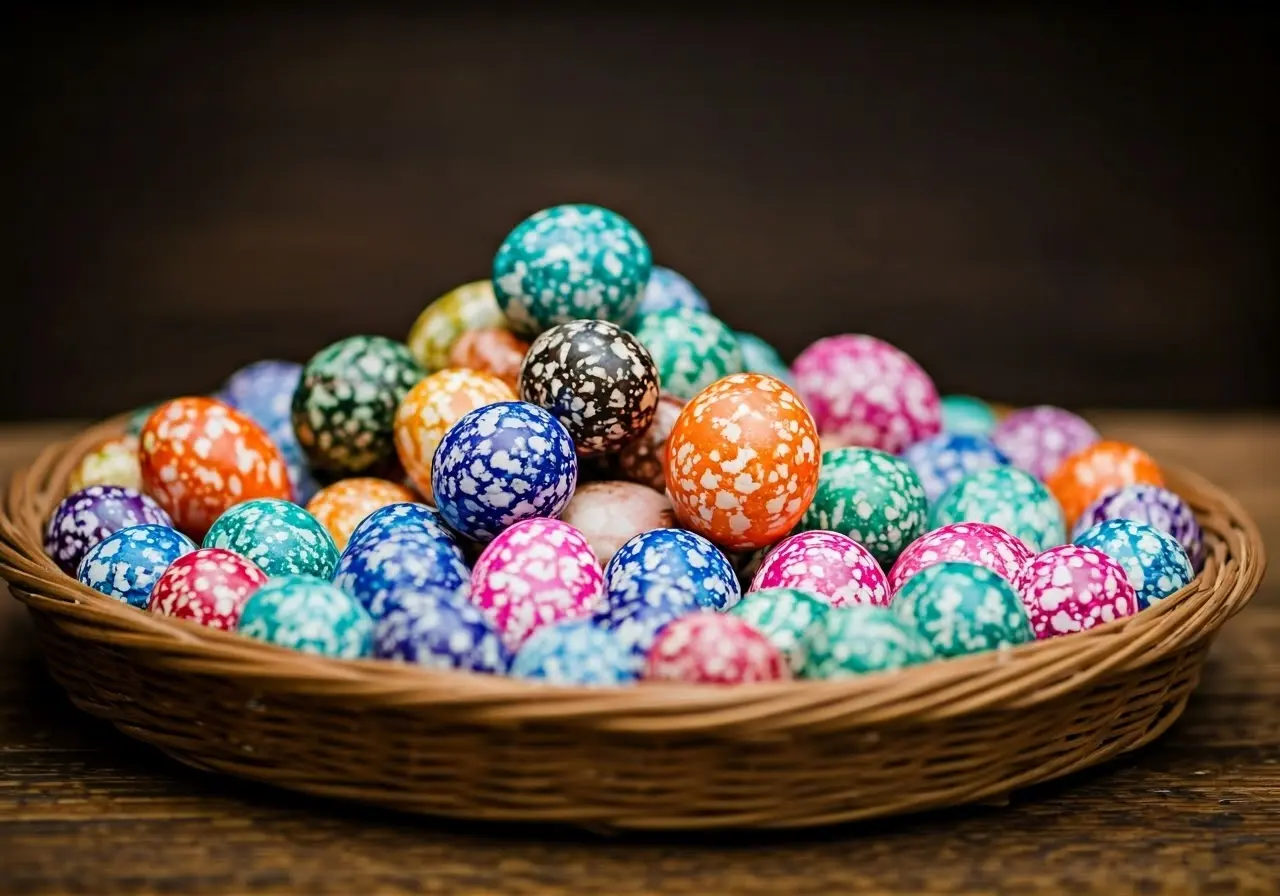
<point>860,639</point>
<point>570,262</point>
<point>1007,497</point>
<point>345,406</point>
<point>692,349</point>
<point>871,496</point>
<point>963,608</point>
<point>279,536</point>
<point>308,614</point>
<point>783,615</point>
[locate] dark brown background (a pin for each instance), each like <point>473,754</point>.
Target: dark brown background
<point>1068,209</point>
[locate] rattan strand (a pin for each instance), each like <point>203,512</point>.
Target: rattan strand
<point>654,756</point>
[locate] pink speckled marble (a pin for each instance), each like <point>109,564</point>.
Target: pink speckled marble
<point>536,572</point>
<point>980,543</point>
<point>1069,589</point>
<point>863,391</point>
<point>1038,439</point>
<point>827,565</point>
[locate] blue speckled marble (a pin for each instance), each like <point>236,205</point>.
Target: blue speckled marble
<point>84,518</point>
<point>943,460</point>
<point>376,570</point>
<point>1151,504</point>
<point>264,391</point>
<point>570,262</point>
<point>575,652</point>
<point>438,628</point>
<point>500,464</point>
<point>668,289</point>
<point>308,614</point>
<point>403,516</point>
<point>674,557</point>
<point>1153,561</point>
<point>126,564</point>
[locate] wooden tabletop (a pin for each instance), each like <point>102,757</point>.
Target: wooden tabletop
<point>85,809</point>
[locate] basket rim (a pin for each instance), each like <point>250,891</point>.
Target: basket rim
<point>1012,679</point>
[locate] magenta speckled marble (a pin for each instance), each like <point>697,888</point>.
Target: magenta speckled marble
<point>863,391</point>
<point>536,572</point>
<point>1070,589</point>
<point>827,565</point>
<point>980,543</point>
<point>1038,439</point>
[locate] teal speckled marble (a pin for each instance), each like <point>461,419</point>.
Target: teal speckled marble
<point>860,639</point>
<point>692,349</point>
<point>1153,561</point>
<point>570,262</point>
<point>966,415</point>
<point>871,496</point>
<point>759,356</point>
<point>308,614</point>
<point>783,615</point>
<point>1006,497</point>
<point>280,537</point>
<point>962,608</point>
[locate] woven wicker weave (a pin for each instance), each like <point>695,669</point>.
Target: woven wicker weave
<point>656,756</point>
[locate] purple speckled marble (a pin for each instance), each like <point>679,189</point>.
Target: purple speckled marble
<point>86,517</point>
<point>1038,439</point>
<point>264,390</point>
<point>1154,506</point>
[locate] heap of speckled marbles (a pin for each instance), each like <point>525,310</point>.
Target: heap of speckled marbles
<point>575,472</point>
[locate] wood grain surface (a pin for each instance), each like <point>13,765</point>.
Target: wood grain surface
<point>85,810</point>
<point>1039,204</point>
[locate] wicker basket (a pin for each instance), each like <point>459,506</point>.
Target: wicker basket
<point>657,756</point>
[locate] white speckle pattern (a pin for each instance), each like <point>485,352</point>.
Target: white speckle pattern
<point>84,518</point>
<point>742,461</point>
<point>1154,505</point>
<point>596,379</point>
<point>848,641</point>
<point>1155,564</point>
<point>439,629</point>
<point>714,648</point>
<point>1007,497</point>
<point>501,464</point>
<point>406,559</point>
<point>537,572</point>
<point>570,262</point>
<point>783,615</point>
<point>980,543</point>
<point>943,460</point>
<point>865,392</point>
<point>676,558</point>
<point>962,608</point>
<point>575,652</point>
<point>826,564</point>
<point>1069,588</point>
<point>1038,439</point>
<point>278,536</point>
<point>126,564</point>
<point>208,586</point>
<point>691,349</point>
<point>308,614</point>
<point>668,289</point>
